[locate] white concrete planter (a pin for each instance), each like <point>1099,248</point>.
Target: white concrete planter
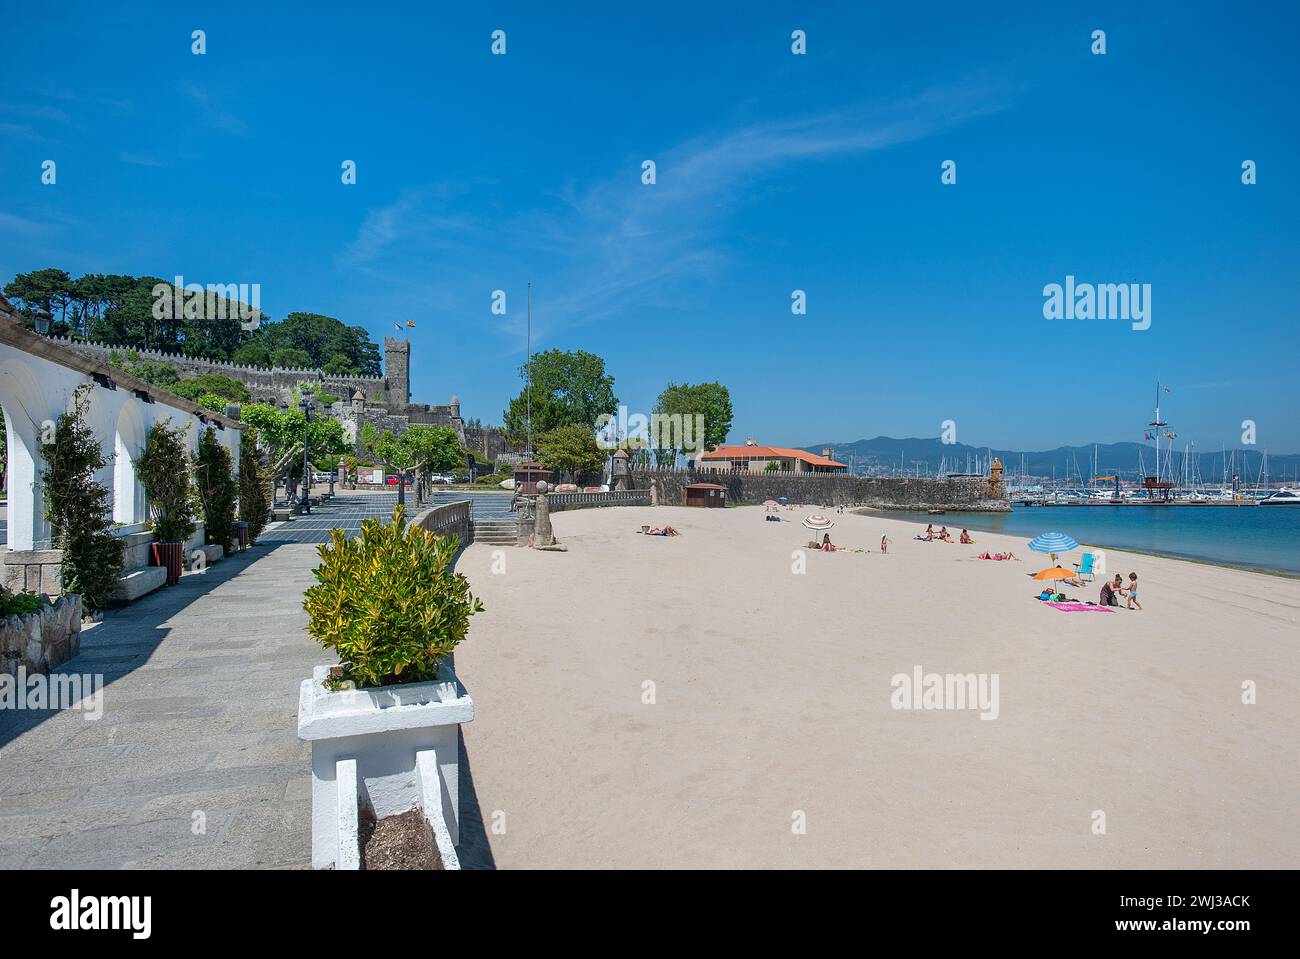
<point>353,798</point>
<point>394,749</point>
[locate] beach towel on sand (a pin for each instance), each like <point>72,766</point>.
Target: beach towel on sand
<point>1078,607</point>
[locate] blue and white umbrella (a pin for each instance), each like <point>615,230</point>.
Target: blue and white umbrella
<point>1052,543</point>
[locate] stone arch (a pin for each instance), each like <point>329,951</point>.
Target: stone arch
<point>128,445</point>
<point>101,415</point>
<point>25,414</point>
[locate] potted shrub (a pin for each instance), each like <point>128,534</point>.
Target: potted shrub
<point>79,509</point>
<point>383,721</point>
<point>254,490</point>
<point>164,469</point>
<point>217,490</point>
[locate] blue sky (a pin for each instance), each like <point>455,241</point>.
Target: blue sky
<point>775,172</point>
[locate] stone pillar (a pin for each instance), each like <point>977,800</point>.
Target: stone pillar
<point>620,470</point>
<point>542,532</point>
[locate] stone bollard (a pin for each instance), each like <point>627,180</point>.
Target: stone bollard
<point>543,535</point>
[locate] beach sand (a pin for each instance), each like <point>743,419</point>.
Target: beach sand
<point>772,701</point>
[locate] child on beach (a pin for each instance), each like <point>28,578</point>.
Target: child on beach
<point>1133,591</point>
<point>884,543</point>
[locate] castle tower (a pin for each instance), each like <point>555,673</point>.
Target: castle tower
<point>397,370</point>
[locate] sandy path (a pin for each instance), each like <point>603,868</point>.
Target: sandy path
<point>772,696</point>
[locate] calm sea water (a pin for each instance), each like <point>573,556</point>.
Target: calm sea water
<point>1257,537</point>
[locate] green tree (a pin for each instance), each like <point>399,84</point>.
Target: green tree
<point>49,290</point>
<point>78,508</point>
<point>216,488</point>
<point>322,339</point>
<point>291,359</point>
<point>255,485</point>
<point>339,365</point>
<point>252,353</point>
<point>164,469</point>
<point>572,451</point>
<point>436,449</point>
<point>569,388</point>
<point>710,400</point>
<point>282,434</point>
<point>130,321</point>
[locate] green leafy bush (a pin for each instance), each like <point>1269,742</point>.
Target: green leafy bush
<point>388,602</point>
<point>217,488</point>
<point>164,469</point>
<point>20,604</point>
<point>78,509</point>
<point>216,384</point>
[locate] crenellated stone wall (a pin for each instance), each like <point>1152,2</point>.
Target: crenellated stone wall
<point>274,384</point>
<point>384,401</point>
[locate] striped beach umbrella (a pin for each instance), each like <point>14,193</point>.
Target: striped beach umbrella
<point>819,522</point>
<point>1052,543</point>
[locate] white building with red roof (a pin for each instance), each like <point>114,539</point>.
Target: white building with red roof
<point>752,458</point>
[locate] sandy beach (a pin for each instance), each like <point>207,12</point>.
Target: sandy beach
<point>771,703</point>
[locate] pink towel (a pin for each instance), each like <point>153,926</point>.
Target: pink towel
<point>1079,607</point>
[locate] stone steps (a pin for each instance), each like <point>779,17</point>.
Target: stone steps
<point>495,532</point>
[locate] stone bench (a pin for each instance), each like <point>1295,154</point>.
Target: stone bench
<point>212,552</point>
<point>135,583</point>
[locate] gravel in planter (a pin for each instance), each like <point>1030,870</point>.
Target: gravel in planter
<point>398,842</point>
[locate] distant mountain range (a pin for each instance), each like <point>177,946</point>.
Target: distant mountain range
<point>888,455</point>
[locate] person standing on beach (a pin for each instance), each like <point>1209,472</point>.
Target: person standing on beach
<point>1133,591</point>
<point>884,543</point>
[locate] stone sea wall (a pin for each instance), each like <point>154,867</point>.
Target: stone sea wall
<point>972,493</point>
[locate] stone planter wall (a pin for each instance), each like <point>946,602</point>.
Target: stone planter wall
<point>42,640</point>
<point>34,570</point>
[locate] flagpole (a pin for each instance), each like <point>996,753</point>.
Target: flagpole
<point>528,387</point>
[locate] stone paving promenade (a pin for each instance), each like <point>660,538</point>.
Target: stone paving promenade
<point>200,705</point>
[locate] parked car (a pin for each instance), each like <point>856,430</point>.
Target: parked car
<point>392,480</point>
<point>440,479</point>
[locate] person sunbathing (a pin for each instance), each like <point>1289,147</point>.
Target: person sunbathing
<point>827,546</point>
<point>944,535</point>
<point>965,539</point>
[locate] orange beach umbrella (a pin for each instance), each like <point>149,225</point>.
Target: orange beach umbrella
<point>1053,572</point>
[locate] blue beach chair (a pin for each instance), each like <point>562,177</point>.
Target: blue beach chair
<point>1085,568</point>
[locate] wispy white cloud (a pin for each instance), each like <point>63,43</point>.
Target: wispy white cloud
<point>614,242</point>
<point>215,113</point>
<point>20,131</point>
<point>14,225</point>
<point>141,159</point>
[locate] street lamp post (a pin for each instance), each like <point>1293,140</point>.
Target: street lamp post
<point>306,463</point>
